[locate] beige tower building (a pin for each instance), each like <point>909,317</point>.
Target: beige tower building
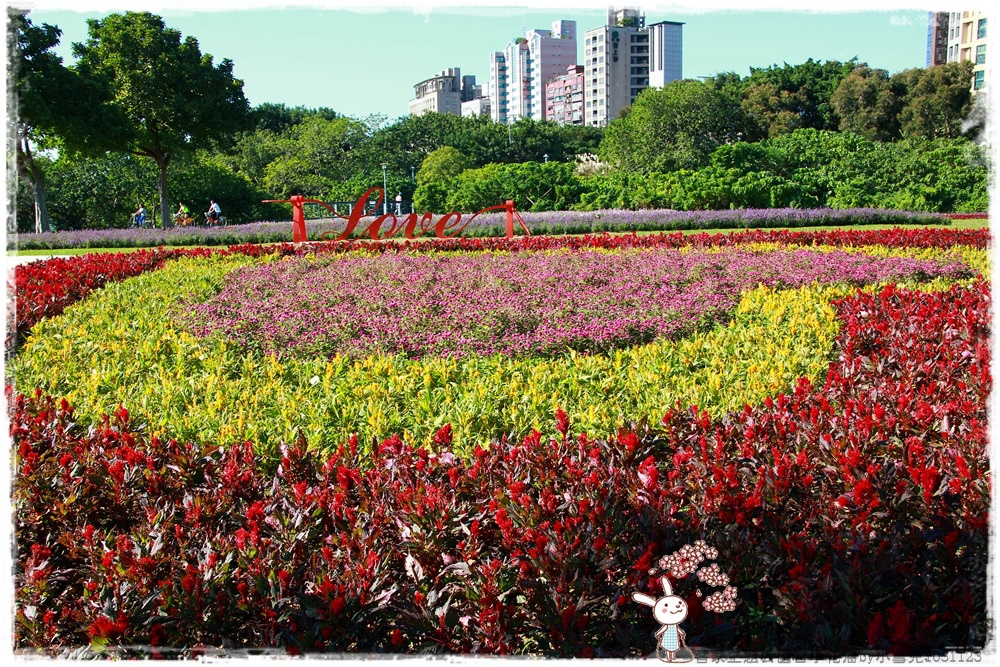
<point>959,37</point>
<point>623,58</point>
<point>967,41</point>
<point>444,93</point>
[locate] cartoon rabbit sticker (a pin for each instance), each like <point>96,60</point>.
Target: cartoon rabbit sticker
<point>669,610</point>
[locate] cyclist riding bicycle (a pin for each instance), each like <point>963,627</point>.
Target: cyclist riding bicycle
<point>138,218</point>
<point>213,213</point>
<point>183,216</point>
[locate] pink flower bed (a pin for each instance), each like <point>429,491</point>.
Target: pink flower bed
<point>524,303</point>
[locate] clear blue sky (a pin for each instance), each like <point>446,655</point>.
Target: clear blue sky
<point>362,62</point>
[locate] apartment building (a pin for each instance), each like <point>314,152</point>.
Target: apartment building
<point>498,86</point>
<point>444,93</point>
<point>937,39</point>
<point>959,37</point>
<point>967,41</point>
<point>564,97</point>
<point>477,107</point>
<point>519,73</point>
<point>623,58</point>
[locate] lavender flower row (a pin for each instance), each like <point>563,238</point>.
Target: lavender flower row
<point>549,222</point>
<point>524,303</point>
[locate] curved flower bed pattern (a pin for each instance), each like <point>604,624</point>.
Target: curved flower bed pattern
<point>830,442</point>
<point>130,540</point>
<point>44,288</point>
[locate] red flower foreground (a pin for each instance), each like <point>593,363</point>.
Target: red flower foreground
<point>850,518</point>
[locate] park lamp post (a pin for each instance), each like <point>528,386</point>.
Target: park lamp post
<point>385,194</point>
<point>546,157</point>
<point>413,178</point>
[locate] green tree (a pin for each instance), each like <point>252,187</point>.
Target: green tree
<point>868,103</point>
<point>437,173</point>
<point>98,192</point>
<point>676,127</point>
<point>55,106</point>
<point>730,83</point>
<point>277,117</point>
<point>442,166</point>
<point>531,185</point>
<point>314,157</point>
<point>937,100</point>
<point>253,152</point>
<point>800,96</point>
<point>174,99</point>
<point>776,111</point>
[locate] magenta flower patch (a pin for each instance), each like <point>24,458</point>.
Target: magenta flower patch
<point>512,304</point>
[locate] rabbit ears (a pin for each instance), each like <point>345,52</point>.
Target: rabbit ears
<point>642,598</point>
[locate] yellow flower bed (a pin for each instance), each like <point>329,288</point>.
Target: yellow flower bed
<point>120,346</point>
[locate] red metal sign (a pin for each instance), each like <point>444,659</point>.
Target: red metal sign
<point>449,225</point>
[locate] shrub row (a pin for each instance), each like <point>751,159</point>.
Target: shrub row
<point>851,517</point>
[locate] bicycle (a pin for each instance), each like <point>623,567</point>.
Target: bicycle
<point>218,222</point>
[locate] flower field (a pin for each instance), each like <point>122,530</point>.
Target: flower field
<point>482,445</point>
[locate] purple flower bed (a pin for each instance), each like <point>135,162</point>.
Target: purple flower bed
<point>617,220</point>
<point>524,303</point>
<point>550,222</point>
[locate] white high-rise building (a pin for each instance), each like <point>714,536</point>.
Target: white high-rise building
<point>623,58</point>
<point>498,86</point>
<point>519,73</point>
<point>665,53</point>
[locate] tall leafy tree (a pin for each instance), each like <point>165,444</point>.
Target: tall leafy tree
<point>54,106</point>
<point>314,158</point>
<point>937,101</point>
<point>868,103</point>
<point>783,99</point>
<point>675,127</point>
<point>174,98</point>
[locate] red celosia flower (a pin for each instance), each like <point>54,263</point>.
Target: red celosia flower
<point>875,629</point>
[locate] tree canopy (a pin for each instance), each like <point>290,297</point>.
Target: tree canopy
<point>868,103</point>
<point>676,127</point>
<point>174,99</point>
<point>42,87</point>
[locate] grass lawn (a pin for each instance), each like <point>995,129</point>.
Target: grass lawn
<point>979,223</point>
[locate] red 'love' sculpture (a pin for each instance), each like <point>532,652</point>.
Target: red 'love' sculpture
<point>450,222</point>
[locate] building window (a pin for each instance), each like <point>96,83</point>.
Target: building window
<point>981,54</point>
<point>982,28</point>
<point>979,80</point>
